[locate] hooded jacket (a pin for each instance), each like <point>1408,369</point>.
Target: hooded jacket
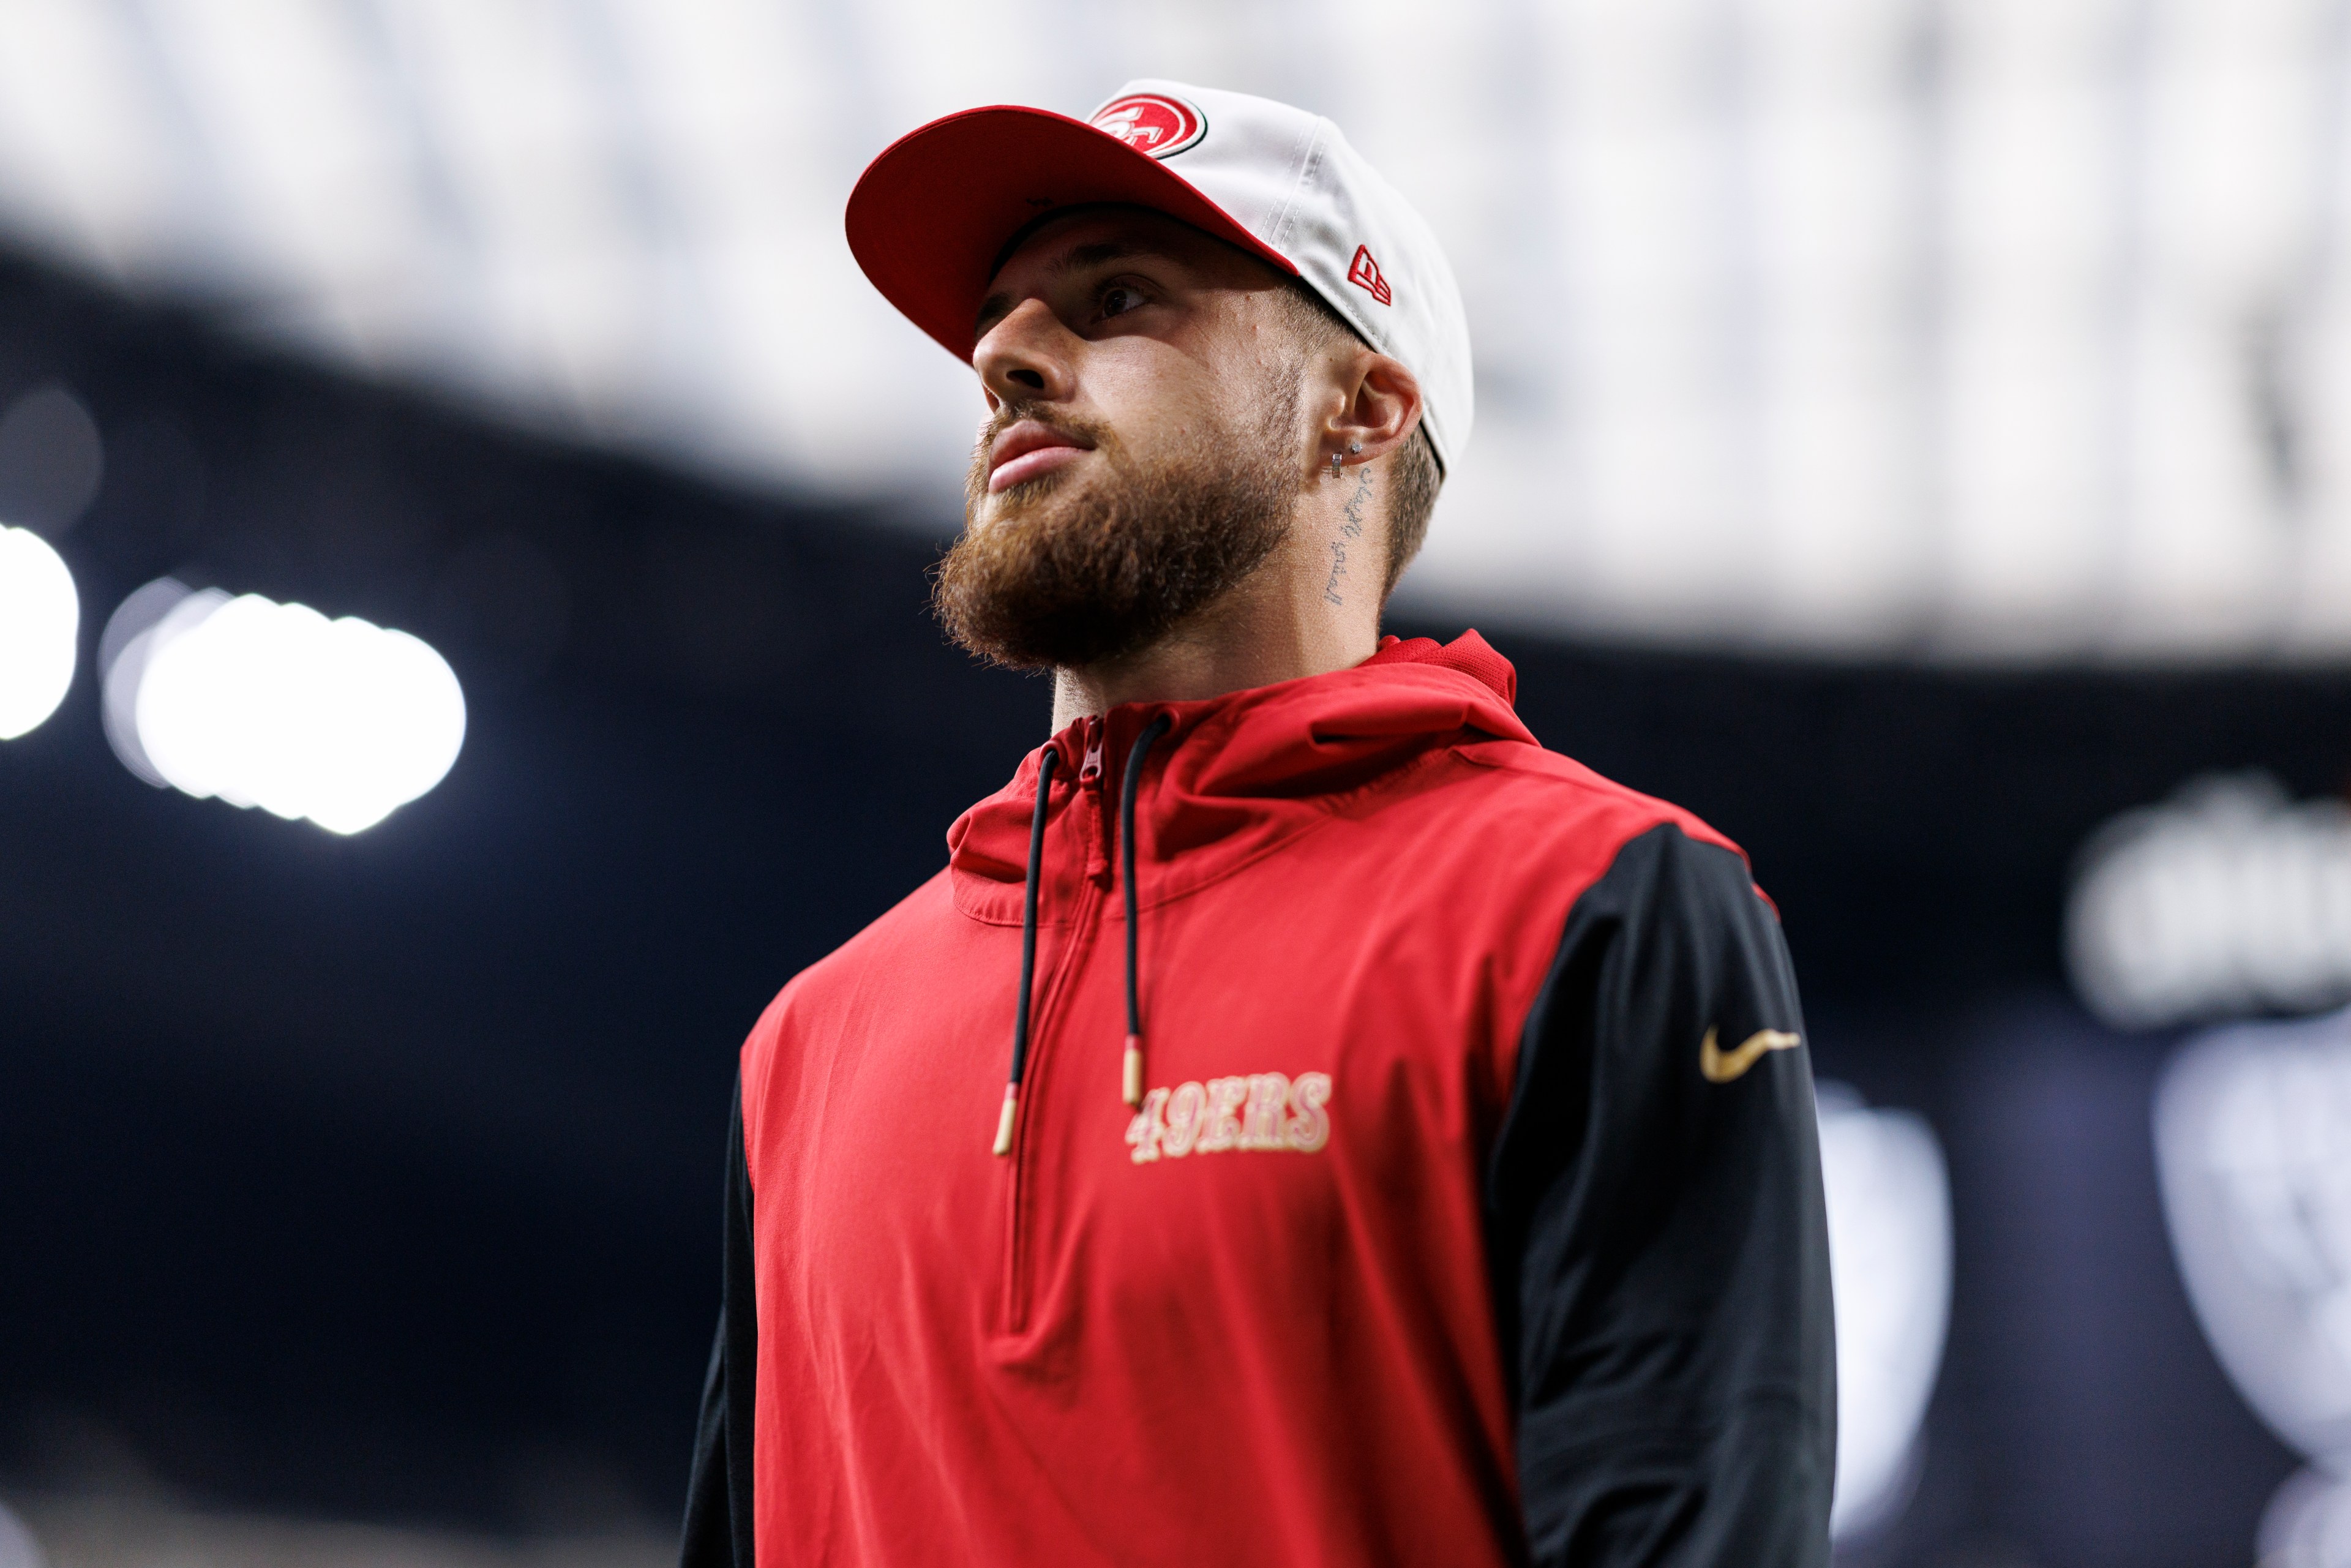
<point>1471,1213</point>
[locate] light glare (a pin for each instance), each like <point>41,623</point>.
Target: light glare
<point>1889,1211</point>
<point>2252,1138</point>
<point>40,618</point>
<point>2252,1141</point>
<point>274,706</point>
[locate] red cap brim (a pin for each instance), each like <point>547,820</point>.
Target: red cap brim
<point>930,217</point>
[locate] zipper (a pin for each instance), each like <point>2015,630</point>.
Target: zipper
<point>1090,772</point>
<point>1044,1010</point>
<point>1093,780</point>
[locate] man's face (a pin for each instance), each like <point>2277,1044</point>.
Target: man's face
<point>1144,446</point>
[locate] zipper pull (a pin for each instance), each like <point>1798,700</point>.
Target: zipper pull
<point>1090,776</point>
<point>1090,773</point>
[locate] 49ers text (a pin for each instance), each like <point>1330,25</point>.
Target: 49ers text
<point>1260,1111</point>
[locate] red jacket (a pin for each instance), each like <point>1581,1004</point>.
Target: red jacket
<point>1446,1232</point>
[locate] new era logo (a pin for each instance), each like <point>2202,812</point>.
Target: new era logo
<point>1364,273</point>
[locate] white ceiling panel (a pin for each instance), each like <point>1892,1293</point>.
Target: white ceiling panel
<point>2010,330</point>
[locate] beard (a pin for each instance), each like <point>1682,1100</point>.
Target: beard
<point>1073,572</point>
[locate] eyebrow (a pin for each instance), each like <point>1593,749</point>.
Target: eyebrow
<point>1076,259</point>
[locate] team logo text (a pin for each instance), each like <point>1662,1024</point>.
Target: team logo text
<point>1264,1111</point>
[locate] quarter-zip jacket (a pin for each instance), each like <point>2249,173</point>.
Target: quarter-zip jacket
<point>1471,1213</point>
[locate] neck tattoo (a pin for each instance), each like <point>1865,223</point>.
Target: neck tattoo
<point>1350,531</point>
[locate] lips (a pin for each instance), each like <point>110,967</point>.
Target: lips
<point>1027,448</point>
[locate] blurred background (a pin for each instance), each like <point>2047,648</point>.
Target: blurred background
<point>463,647</point>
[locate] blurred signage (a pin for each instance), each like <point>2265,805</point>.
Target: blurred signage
<point>1889,1210</point>
<point>2252,1132</point>
<point>2231,898</point>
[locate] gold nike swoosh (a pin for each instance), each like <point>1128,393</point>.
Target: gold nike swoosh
<point>1721,1066</point>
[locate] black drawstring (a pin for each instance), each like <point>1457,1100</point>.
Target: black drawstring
<point>1131,1074</point>
<point>1028,954</point>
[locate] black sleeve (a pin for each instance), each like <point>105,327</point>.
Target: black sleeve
<point>1655,1219</point>
<point>718,1496</point>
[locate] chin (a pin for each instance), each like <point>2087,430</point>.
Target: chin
<point>1012,504</point>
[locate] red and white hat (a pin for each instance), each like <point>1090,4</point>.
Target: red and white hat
<point>930,218</point>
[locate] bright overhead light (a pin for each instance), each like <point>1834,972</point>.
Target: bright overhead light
<point>2036,342</point>
<point>268,704</point>
<point>1889,1210</point>
<point>39,617</point>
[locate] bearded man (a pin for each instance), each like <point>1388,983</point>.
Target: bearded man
<point>1304,1121</point>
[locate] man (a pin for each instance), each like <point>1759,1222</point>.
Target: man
<point>1305,1122</point>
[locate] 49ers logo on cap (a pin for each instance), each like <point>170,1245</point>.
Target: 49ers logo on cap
<point>1151,122</point>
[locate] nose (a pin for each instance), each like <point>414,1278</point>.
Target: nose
<point>1025,357</point>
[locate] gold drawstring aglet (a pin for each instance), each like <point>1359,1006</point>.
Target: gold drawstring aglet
<point>1004,1121</point>
<point>1133,1080</point>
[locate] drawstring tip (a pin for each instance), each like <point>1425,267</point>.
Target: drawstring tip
<point>1133,1079</point>
<point>1004,1121</point>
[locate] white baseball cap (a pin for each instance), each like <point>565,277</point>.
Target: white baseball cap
<point>931,218</point>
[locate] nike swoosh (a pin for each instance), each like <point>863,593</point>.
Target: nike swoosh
<point>1721,1066</point>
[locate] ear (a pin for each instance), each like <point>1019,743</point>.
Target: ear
<point>1379,410</point>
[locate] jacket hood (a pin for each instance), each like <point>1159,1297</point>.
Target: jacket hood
<point>1233,777</point>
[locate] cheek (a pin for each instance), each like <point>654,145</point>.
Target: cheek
<point>1157,398</point>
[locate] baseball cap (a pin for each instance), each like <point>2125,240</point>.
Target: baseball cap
<point>929,220</point>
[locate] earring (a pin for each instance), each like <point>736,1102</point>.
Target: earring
<point>1334,466</point>
<point>1354,446</point>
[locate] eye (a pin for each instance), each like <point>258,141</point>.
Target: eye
<point>1117,299</point>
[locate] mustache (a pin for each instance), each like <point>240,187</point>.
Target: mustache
<point>1011,413</point>
<point>1087,431</point>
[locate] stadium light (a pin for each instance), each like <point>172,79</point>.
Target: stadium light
<point>1889,1210</point>
<point>2023,334</point>
<point>261,704</point>
<point>39,619</point>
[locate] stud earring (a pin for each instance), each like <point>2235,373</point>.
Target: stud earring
<point>1354,446</point>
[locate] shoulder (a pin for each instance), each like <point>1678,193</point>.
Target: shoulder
<point>841,981</point>
<point>1564,816</point>
<point>1506,855</point>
